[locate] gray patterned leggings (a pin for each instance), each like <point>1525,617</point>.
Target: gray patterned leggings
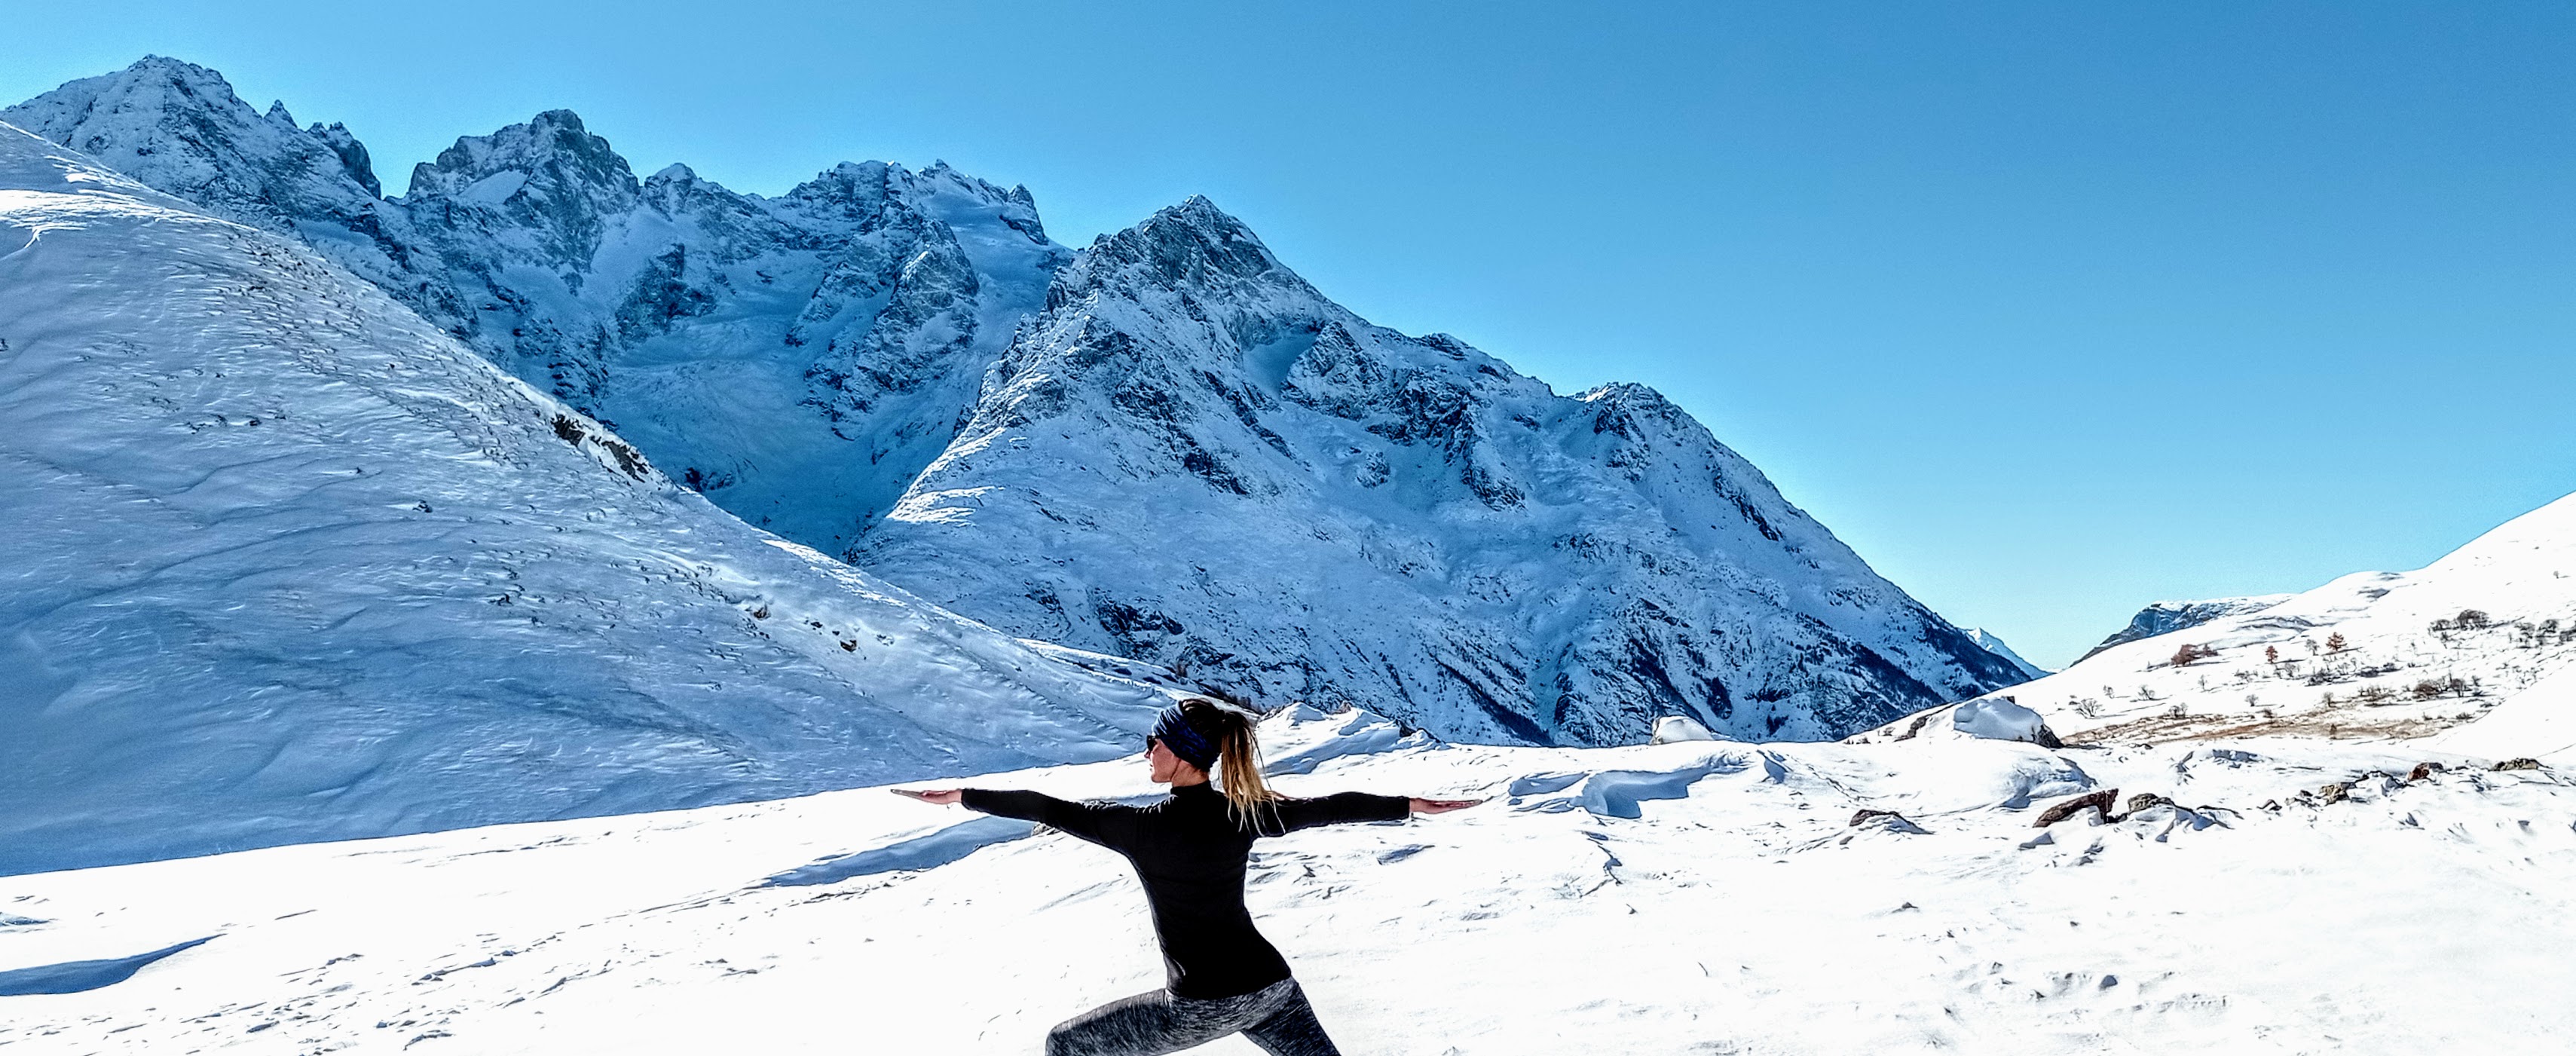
<point>1276,1018</point>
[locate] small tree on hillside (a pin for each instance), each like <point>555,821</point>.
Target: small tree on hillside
<point>2335,642</point>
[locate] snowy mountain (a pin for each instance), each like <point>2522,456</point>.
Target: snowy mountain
<point>1167,447</point>
<point>2491,627</point>
<point>2166,617</point>
<point>1989,642</point>
<point>1196,458</point>
<point>796,359</point>
<point>289,563</point>
<point>1683,898</point>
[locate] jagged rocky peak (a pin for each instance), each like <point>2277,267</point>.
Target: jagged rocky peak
<point>1193,244</point>
<point>554,144</point>
<point>941,185</point>
<point>677,189</point>
<point>180,129</point>
<point>549,175</point>
<point>145,92</point>
<point>1628,408</point>
<point>352,154</point>
<point>852,192</point>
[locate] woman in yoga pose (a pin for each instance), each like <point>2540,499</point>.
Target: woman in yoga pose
<point>1221,976</point>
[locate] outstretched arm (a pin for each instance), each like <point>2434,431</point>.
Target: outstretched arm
<point>1107,824</point>
<point>1347,807</point>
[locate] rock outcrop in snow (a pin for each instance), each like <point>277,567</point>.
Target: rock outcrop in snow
<point>1167,447</point>
<point>288,563</point>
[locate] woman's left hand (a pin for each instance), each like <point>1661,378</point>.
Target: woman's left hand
<point>942,796</point>
<point>1441,806</point>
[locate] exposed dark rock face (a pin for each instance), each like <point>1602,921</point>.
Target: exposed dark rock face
<point>2098,802</point>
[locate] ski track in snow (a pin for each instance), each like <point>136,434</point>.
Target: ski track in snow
<point>1745,913</point>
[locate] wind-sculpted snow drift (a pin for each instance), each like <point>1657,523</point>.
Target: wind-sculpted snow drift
<point>287,563</point>
<point>1166,447</point>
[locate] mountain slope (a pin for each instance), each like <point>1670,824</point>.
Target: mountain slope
<point>1996,645</point>
<point>1196,458</point>
<point>796,359</point>
<point>290,564</point>
<point>2370,655</point>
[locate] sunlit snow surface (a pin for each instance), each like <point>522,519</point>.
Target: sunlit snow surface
<point>286,563</point>
<point>2481,643</point>
<point>1739,912</point>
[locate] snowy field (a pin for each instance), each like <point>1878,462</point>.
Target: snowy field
<point>1702,897</point>
<point>291,564</point>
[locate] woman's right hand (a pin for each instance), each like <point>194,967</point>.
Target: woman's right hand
<point>1441,806</point>
<point>942,796</point>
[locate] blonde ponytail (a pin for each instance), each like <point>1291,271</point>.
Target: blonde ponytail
<point>1238,764</point>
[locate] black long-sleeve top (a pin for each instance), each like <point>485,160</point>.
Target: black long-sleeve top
<point>1190,854</point>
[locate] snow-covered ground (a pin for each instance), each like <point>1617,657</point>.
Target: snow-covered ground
<point>2371,655</point>
<point>1703,897</point>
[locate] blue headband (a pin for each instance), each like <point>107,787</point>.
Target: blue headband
<point>1173,728</point>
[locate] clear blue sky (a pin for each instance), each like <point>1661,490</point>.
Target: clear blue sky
<point>2050,309</point>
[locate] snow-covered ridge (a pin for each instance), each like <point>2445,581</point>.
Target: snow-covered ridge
<point>1702,897</point>
<point>1988,641</point>
<point>1167,447</point>
<point>288,563</point>
<point>2166,617</point>
<point>2370,655</point>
